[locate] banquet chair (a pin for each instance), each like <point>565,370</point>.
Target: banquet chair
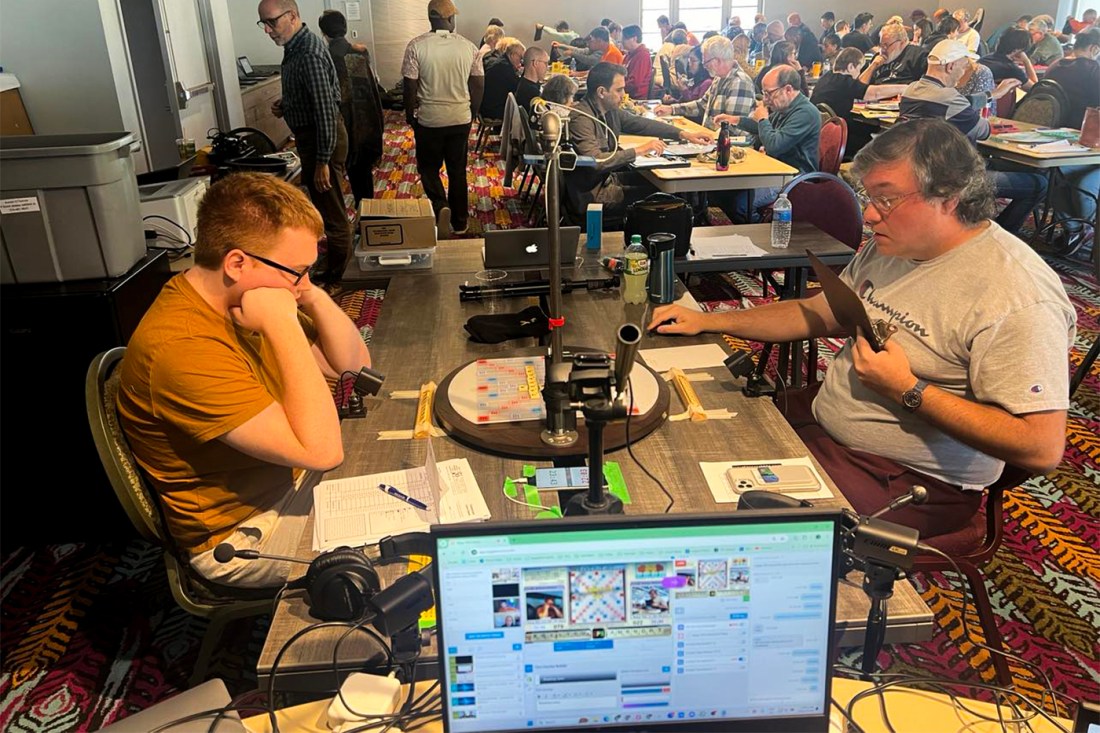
<point>834,138</point>
<point>199,597</point>
<point>973,546</point>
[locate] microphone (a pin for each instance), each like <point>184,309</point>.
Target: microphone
<point>225,552</point>
<point>917,495</point>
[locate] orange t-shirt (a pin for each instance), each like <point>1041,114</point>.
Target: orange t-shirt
<point>189,377</point>
<point>612,54</point>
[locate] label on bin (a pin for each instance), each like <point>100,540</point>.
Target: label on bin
<point>21,205</point>
<point>380,234</point>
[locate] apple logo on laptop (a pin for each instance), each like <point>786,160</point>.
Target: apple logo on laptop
<point>532,249</point>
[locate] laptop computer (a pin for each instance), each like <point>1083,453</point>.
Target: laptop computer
<point>244,66</point>
<point>528,248</point>
<point>190,710</point>
<point>641,623</point>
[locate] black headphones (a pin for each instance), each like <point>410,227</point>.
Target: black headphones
<point>340,583</point>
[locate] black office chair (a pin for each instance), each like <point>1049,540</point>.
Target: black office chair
<point>192,593</point>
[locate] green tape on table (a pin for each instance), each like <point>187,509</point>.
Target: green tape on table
<point>531,496</point>
<point>616,484</point>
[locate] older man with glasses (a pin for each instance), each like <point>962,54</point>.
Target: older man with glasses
<point>787,127</point>
<point>950,397</point>
<point>223,393</point>
<point>731,92</point>
<point>898,61</point>
<point>310,105</point>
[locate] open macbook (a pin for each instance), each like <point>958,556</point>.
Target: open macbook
<point>528,248</point>
<point>683,622</point>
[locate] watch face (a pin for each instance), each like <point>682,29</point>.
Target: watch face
<point>911,399</point>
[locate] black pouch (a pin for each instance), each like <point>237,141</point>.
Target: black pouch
<point>659,212</point>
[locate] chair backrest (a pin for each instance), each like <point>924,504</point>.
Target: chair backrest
<point>100,395</point>
<point>834,138</point>
<point>830,204</point>
<point>1006,106</point>
<point>1046,104</point>
<point>532,144</point>
<point>827,112</point>
<point>666,76</point>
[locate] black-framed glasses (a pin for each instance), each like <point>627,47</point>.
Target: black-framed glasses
<point>271,23</point>
<point>885,204</point>
<point>281,268</point>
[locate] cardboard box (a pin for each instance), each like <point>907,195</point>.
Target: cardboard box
<point>396,224</point>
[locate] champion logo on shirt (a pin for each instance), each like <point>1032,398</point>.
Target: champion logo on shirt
<point>901,318</point>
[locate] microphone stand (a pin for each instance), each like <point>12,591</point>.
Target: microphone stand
<point>878,584</point>
<point>561,416</point>
<point>592,382</point>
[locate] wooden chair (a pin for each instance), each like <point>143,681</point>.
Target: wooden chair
<point>195,595</point>
<point>834,138</point>
<point>972,547</point>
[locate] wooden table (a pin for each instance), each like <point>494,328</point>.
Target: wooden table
<point>755,170</point>
<point>420,338</point>
<point>910,711</point>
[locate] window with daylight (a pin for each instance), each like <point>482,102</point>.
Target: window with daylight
<point>701,16</point>
<point>651,11</point>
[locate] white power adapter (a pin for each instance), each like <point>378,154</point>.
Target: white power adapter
<point>366,694</point>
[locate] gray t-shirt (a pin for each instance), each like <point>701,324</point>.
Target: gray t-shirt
<point>988,321</point>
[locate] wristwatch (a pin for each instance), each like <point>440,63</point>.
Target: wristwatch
<point>912,398</point>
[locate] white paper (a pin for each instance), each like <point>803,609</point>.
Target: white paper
<point>688,148</point>
<point>729,245</point>
<point>723,493</point>
<point>686,357</point>
<point>354,511</point>
<point>351,11</point>
<point>1058,146</point>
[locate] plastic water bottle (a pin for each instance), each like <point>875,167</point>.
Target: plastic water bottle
<point>781,222</point>
<point>636,271</point>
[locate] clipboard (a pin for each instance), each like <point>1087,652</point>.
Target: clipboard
<point>846,305</point>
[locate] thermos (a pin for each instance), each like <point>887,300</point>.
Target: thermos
<point>662,275</point>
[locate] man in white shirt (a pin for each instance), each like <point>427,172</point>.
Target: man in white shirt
<point>444,84</point>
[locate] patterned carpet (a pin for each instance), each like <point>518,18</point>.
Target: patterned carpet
<point>91,633</point>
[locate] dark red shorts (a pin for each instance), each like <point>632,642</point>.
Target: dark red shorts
<point>870,482</point>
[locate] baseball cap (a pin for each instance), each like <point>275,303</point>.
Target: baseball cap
<point>442,8</point>
<point>947,51</point>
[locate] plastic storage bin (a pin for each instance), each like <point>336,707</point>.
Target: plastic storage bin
<point>69,207</point>
<point>395,259</point>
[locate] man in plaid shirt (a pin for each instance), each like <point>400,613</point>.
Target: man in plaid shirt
<point>310,105</point>
<point>731,93</point>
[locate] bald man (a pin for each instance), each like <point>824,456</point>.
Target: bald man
<point>310,105</point>
<point>536,65</point>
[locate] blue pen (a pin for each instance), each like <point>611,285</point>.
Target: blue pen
<point>399,494</point>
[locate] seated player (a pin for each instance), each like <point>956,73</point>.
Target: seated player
<point>976,374</point>
<point>597,115</point>
<point>223,394</point>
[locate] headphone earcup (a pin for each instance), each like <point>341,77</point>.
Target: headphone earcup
<point>339,583</point>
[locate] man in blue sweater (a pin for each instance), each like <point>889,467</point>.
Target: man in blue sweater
<point>787,126</point>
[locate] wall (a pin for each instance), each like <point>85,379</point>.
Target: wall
<point>250,41</point>
<point>59,51</point>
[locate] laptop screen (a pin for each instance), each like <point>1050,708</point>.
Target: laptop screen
<point>700,622</point>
